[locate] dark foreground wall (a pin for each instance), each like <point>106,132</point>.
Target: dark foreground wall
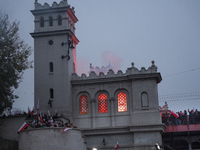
<point>6,144</point>
<point>9,127</point>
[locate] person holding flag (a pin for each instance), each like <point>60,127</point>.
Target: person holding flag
<point>33,111</point>
<point>49,115</point>
<point>174,117</point>
<point>29,112</point>
<point>38,105</point>
<point>41,121</point>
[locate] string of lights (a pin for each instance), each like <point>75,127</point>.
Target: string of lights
<point>179,97</point>
<point>181,72</point>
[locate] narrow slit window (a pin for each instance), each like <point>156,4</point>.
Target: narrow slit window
<point>51,93</point>
<point>50,21</point>
<point>102,101</point>
<point>41,22</point>
<point>50,67</point>
<point>59,20</point>
<point>83,104</point>
<point>122,102</point>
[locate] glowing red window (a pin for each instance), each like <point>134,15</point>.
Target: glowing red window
<point>83,104</point>
<point>122,102</point>
<point>102,99</point>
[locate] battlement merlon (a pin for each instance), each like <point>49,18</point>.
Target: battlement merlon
<point>62,3</point>
<point>62,6</point>
<point>132,73</point>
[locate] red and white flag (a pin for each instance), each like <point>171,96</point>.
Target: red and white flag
<point>41,118</point>
<point>49,113</point>
<point>35,114</point>
<point>56,111</point>
<point>116,146</point>
<point>23,127</point>
<point>173,113</point>
<point>193,109</point>
<point>66,129</point>
<point>38,105</point>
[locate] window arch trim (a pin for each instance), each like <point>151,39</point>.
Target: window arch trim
<point>144,100</point>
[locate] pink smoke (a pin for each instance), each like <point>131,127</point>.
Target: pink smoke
<point>82,67</point>
<point>112,58</point>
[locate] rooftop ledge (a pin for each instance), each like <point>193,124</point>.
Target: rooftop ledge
<point>131,73</point>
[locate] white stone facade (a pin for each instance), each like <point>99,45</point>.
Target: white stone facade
<point>58,87</point>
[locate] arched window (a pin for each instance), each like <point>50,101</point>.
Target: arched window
<point>51,93</point>
<point>50,67</point>
<point>145,99</point>
<point>50,21</point>
<point>122,102</point>
<point>59,20</point>
<point>41,22</point>
<point>83,101</point>
<point>102,101</point>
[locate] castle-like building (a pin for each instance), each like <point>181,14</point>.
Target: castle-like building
<point>108,108</point>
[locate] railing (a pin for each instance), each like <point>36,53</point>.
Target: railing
<point>182,120</point>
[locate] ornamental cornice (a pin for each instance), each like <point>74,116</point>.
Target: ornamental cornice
<point>55,32</point>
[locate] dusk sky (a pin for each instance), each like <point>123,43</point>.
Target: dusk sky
<point>121,32</point>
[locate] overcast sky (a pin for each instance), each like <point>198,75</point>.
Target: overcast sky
<point>125,31</point>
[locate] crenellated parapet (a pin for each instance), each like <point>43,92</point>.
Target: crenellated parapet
<point>56,17</point>
<point>62,3</point>
<point>130,71</point>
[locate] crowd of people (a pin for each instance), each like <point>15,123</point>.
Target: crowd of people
<point>47,121</point>
<point>181,118</point>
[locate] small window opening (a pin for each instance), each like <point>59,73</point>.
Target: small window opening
<point>41,22</point>
<point>50,21</point>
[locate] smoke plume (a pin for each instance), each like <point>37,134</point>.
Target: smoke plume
<point>108,57</point>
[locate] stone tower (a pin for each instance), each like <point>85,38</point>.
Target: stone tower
<point>54,56</point>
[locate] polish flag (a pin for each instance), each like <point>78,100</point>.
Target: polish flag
<point>193,109</point>
<point>66,129</point>
<point>49,113</point>
<point>41,118</point>
<point>38,105</point>
<point>56,111</point>
<point>116,146</point>
<point>35,114</point>
<point>23,127</point>
<point>173,113</point>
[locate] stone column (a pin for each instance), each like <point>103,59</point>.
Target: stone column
<point>112,111</point>
<point>93,113</point>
